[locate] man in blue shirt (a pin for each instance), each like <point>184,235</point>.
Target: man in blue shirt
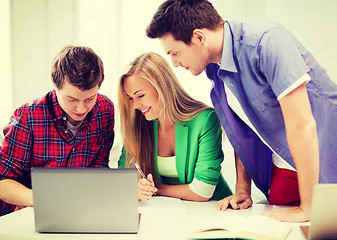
<point>276,103</point>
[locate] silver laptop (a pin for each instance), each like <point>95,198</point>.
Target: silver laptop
<point>85,200</point>
<point>323,223</point>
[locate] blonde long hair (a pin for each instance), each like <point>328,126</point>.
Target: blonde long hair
<point>176,106</point>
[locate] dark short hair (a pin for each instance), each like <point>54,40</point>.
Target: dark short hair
<point>181,17</point>
<point>78,65</point>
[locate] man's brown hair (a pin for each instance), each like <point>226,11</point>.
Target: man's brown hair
<point>181,17</point>
<point>78,65</point>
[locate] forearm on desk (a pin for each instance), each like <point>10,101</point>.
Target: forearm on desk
<point>304,149</point>
<point>302,139</point>
<point>180,191</point>
<point>15,193</point>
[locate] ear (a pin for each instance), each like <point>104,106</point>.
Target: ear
<point>198,37</point>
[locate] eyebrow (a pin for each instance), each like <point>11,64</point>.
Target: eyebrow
<point>78,99</point>
<point>134,92</point>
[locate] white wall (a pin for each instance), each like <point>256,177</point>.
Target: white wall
<point>33,31</point>
<point>6,98</point>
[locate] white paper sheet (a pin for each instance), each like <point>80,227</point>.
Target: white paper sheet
<point>161,205</point>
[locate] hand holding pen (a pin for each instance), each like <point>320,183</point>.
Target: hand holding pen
<point>146,186</point>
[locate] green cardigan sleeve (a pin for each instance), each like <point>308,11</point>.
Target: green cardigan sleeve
<point>207,145</point>
<point>122,159</point>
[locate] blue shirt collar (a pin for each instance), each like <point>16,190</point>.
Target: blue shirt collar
<point>227,60</point>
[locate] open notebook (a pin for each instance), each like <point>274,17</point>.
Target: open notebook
<point>234,226</point>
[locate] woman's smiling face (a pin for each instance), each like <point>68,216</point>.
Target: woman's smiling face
<point>143,95</point>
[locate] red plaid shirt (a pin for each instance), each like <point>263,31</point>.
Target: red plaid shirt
<point>37,136</point>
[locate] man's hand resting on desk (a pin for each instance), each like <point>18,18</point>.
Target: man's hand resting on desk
<point>146,188</point>
<point>293,214</point>
<point>239,200</point>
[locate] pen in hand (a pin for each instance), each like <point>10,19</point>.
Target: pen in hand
<point>139,170</point>
<point>142,174</point>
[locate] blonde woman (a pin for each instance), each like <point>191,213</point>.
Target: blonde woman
<point>175,139</point>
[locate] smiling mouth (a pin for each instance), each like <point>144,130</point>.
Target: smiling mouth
<point>145,111</point>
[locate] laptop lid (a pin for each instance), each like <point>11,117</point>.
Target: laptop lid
<point>323,223</point>
<point>85,200</point>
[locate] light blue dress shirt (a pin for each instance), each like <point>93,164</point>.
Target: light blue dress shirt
<point>260,61</point>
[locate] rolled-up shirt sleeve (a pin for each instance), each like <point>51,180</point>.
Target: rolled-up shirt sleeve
<point>281,61</point>
<point>202,189</point>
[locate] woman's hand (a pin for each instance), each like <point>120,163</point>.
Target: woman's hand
<point>146,188</point>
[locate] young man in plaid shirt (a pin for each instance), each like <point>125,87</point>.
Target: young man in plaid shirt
<point>71,126</point>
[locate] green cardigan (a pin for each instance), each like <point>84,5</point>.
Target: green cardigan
<point>198,152</point>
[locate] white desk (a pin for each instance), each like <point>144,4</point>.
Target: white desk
<point>20,225</point>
